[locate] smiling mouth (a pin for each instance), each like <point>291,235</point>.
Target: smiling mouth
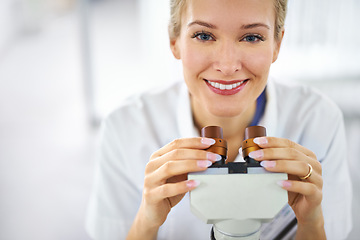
<point>225,86</point>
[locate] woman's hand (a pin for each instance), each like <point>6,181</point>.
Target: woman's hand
<point>305,195</point>
<point>166,181</point>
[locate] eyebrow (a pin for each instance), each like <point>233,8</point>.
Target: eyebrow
<point>246,26</point>
<point>205,24</point>
<point>255,25</point>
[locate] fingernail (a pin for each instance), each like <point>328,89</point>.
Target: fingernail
<point>259,154</point>
<point>204,163</point>
<point>261,140</point>
<point>208,141</point>
<point>268,164</point>
<point>192,183</point>
<point>284,184</point>
<point>240,152</point>
<point>213,156</point>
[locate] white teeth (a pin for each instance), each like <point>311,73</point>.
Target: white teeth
<point>225,86</point>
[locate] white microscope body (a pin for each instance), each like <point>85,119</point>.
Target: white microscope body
<point>236,197</point>
<point>237,203</point>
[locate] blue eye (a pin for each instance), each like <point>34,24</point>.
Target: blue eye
<point>202,36</point>
<point>253,38</point>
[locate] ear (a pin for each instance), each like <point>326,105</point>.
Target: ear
<point>278,45</point>
<point>174,42</point>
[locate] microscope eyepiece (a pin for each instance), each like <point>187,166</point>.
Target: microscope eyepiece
<point>248,144</point>
<point>220,146</point>
<point>212,132</point>
<point>254,132</point>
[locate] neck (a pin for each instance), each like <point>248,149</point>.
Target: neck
<point>233,127</point>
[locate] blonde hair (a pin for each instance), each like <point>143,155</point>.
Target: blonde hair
<point>177,8</point>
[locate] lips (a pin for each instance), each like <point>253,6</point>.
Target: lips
<point>226,87</point>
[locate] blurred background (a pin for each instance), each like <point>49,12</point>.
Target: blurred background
<point>65,64</point>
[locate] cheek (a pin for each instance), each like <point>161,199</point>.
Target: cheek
<point>193,59</point>
<point>259,62</point>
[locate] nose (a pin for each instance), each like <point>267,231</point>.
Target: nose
<point>227,58</point>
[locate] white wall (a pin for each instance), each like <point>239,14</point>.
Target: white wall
<point>6,23</point>
<point>321,40</point>
<point>130,49</point>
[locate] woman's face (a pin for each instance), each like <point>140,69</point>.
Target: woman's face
<point>226,48</point>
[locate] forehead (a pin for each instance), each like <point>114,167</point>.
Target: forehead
<point>230,13</point>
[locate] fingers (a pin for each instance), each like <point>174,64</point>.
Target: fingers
<point>286,156</point>
<point>288,160</point>
<point>284,149</point>
<point>187,143</point>
<point>273,142</point>
<point>170,190</point>
<point>283,155</point>
<point>166,181</point>
<point>179,155</point>
<point>175,168</point>
<point>184,148</point>
<point>311,192</point>
<point>278,153</point>
<point>297,168</point>
<point>175,160</point>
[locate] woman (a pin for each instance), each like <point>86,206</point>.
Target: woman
<point>226,49</point>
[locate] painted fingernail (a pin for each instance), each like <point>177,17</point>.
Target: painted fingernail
<point>240,152</point>
<point>208,141</point>
<point>204,163</point>
<point>261,140</point>
<point>284,184</point>
<point>213,156</point>
<point>259,154</point>
<point>192,183</point>
<point>268,164</point>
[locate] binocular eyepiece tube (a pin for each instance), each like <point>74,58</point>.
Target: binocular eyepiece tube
<point>220,146</point>
<point>248,144</point>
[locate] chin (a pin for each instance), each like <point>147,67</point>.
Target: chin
<point>225,112</point>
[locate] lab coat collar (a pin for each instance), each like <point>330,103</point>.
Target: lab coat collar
<point>186,126</point>
<point>270,117</point>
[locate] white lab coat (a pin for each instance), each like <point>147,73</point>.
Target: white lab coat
<point>148,121</point>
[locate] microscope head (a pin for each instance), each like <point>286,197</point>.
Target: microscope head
<point>238,190</point>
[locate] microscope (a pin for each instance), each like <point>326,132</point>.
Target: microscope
<point>236,197</point>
